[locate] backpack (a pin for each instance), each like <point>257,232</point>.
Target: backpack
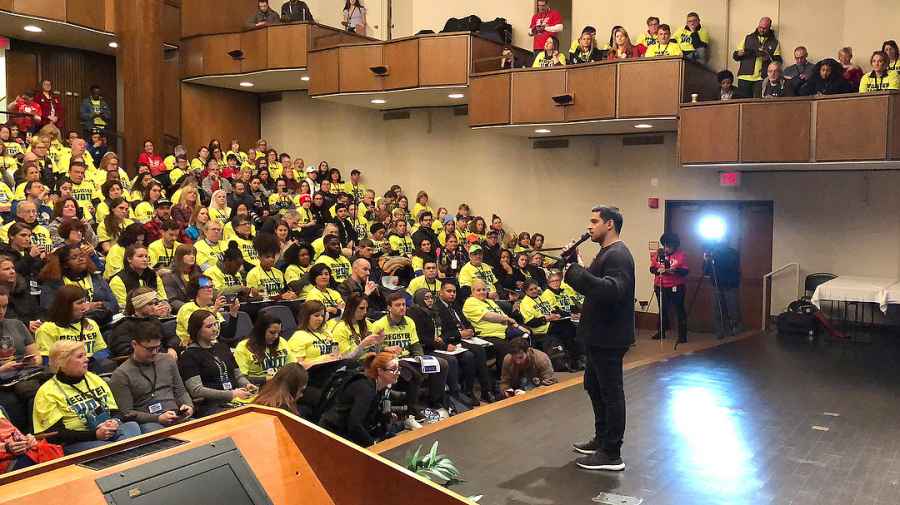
<point>339,380</point>
<point>497,30</point>
<point>798,320</point>
<point>467,24</point>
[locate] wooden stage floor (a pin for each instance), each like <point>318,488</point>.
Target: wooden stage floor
<point>758,421</point>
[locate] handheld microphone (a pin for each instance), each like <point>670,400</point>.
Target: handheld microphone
<point>574,246</point>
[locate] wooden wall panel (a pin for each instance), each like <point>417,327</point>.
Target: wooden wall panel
<point>50,9</point>
<point>531,96</point>
<point>287,46</point>
<point>110,7</point>
<point>6,5</point>
<point>254,43</point>
<point>444,61</point>
<point>772,132</point>
<point>171,97</point>
<point>324,72</point>
<point>852,129</point>
<point>192,57</point>
<point>355,74</point>
<point>21,73</point>
<point>486,55</point>
<point>894,127</point>
<point>489,100</point>
<point>649,88</point>
<point>215,54</point>
<point>594,92</point>
<point>214,16</point>
<point>171,27</point>
<point>141,70</point>
<point>89,13</point>
<point>709,134</point>
<point>202,118</point>
<point>402,59</point>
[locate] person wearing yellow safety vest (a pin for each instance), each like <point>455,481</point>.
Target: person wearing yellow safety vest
<point>95,113</point>
<point>693,39</point>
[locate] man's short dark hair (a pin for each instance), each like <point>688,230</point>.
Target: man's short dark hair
<point>393,297</point>
<point>610,213</point>
<point>446,281</point>
<point>693,15</point>
<point>147,332</point>
<point>424,214</point>
<point>355,172</point>
<point>518,345</point>
<point>725,74</point>
<point>652,18</point>
<point>169,225</point>
<point>366,243</point>
<point>665,27</point>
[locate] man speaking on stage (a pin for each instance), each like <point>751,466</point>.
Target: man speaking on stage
<point>607,331</point>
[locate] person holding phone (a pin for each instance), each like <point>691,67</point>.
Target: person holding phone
<point>77,405</point>
<point>148,388</point>
<point>209,369</point>
<point>200,291</point>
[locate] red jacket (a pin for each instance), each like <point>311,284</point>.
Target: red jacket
<point>678,270</point>
<point>154,161</point>
<point>549,18</point>
<point>26,123</point>
<point>51,107</point>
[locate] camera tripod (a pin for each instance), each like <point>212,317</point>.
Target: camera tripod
<point>725,321</point>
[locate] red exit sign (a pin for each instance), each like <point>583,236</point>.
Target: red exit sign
<point>730,179</point>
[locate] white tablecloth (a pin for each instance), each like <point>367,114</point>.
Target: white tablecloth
<point>847,288</point>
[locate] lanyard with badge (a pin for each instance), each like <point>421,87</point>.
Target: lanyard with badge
<point>156,407</point>
<point>324,344</point>
<point>222,370</point>
<point>98,415</point>
<point>274,281</point>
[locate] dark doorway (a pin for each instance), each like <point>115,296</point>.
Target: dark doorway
<point>749,228</point>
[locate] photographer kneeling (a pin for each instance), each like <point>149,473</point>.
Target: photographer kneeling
<point>671,271</point>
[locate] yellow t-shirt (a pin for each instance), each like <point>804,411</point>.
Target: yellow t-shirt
<point>329,298</point>
<point>402,245</point>
<point>565,301</point>
<point>340,267</point>
<point>683,37</point>
<point>541,60</point>
<point>13,148</point>
<point>345,338</point>
<point>221,216</point>
<point>645,40</point>
<point>294,273</point>
<point>84,193</point>
<point>160,255</point>
<point>470,272</point>
<point>247,250</point>
<point>418,208</point>
<point>87,331</point>
<point>144,211</point>
<point>184,315</point>
<point>254,368</point>
<point>280,203</point>
<point>222,280</point>
<point>871,83</point>
<point>269,283</point>
<point>421,282</point>
<point>670,49</point>
<point>208,255</point>
<point>275,169</point>
<point>6,194</point>
<point>102,211</point>
<point>312,347</point>
<point>475,309</point>
<point>318,246</point>
<point>536,308</point>
<point>115,259</point>
<point>361,225</point>
<point>402,335</point>
<point>357,192</point>
<point>117,286</point>
<point>72,404</point>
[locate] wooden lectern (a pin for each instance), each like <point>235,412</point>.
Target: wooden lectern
<point>294,462</point>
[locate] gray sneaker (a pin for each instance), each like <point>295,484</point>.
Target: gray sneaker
<point>588,448</point>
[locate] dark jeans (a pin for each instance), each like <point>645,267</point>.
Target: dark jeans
<point>747,89</point>
<point>672,301</point>
<point>18,401</point>
<point>412,379</point>
<point>604,384</point>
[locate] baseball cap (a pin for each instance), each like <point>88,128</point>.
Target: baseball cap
<point>163,202</point>
<point>475,249</point>
<point>310,169</point>
<point>305,198</point>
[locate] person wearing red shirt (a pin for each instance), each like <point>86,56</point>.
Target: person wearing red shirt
<point>25,104</point>
<point>670,267</point>
<point>544,23</point>
<point>51,106</point>
<point>152,160</point>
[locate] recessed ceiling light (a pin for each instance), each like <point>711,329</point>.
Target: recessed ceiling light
<point>114,45</point>
<point>246,84</point>
<point>643,126</point>
<point>456,96</point>
<point>33,29</point>
<point>542,130</point>
<point>378,101</point>
<point>304,78</point>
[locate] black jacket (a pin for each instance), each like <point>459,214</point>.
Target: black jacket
<point>835,84</point>
<point>426,324</point>
<point>425,233</point>
<point>607,317</point>
<point>355,413</point>
<point>294,11</point>
<point>452,322</point>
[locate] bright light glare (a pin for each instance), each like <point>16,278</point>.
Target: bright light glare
<point>33,29</point>
<point>378,101</point>
<point>711,228</point>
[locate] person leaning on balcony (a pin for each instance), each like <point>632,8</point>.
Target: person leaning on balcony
<point>550,56</point>
<point>880,78</point>
<point>264,16</point>
<point>621,47</point>
<point>664,46</point>
<point>585,49</point>
<point>294,11</point>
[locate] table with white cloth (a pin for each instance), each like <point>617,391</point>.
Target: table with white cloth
<point>859,289</point>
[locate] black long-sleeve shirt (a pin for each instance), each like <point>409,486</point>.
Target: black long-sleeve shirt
<point>607,317</point>
<point>355,413</point>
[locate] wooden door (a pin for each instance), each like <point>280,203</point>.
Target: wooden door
<point>21,73</point>
<point>66,69</point>
<point>749,227</point>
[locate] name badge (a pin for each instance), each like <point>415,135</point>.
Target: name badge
<point>155,408</point>
<point>226,386</point>
<point>453,264</point>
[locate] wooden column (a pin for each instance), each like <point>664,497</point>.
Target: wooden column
<point>140,62</point>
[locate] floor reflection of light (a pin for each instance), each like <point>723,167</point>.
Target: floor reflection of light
<point>714,453</point>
